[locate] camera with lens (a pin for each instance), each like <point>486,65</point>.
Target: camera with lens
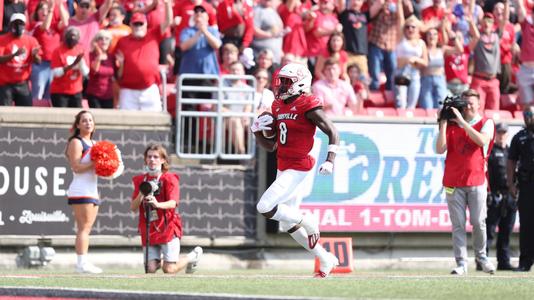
<point>450,101</point>
<point>150,188</point>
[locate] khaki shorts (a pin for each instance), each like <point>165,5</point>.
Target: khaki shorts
<point>170,251</point>
<point>360,61</point>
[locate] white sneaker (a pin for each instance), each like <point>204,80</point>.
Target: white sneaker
<point>327,265</point>
<point>487,266</point>
<point>312,228</point>
<point>88,268</point>
<point>194,257</point>
<point>460,270</point>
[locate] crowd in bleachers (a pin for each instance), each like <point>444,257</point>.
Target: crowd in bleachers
<point>378,57</point>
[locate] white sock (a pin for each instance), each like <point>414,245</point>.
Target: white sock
<point>82,259</point>
<point>302,238</point>
<point>287,214</point>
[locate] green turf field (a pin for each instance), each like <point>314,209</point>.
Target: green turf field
<point>398,284</point>
<point>391,284</point>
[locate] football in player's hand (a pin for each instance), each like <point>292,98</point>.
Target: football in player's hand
<point>271,132</point>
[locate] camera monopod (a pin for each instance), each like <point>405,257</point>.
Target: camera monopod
<point>146,188</point>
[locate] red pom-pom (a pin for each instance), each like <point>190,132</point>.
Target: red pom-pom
<point>105,158</point>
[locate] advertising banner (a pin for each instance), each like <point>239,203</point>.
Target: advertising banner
<point>35,177</point>
<point>387,177</point>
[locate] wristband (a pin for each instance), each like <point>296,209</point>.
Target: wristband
<point>332,148</point>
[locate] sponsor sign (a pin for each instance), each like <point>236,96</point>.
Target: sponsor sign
<point>387,177</point>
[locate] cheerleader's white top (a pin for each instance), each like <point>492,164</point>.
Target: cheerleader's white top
<point>84,185</point>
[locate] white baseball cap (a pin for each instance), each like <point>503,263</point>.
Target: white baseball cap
<point>17,16</point>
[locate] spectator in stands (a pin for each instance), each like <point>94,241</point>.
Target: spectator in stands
<point>265,60</point>
<point>359,82</point>
<point>293,14</point>
<point>236,23</point>
<point>264,97</point>
<point>155,15</point>
<point>68,69</point>
<point>48,35</point>
<point>467,139</point>
<point>383,39</point>
<point>337,95</point>
<point>235,126</point>
<point>83,194</point>
<point>466,13</point>
<point>229,55</point>
<point>268,30</point>
<point>165,223</point>
<point>457,64</point>
<point>321,24</point>
<point>88,21</point>
<point>432,16</point>
<point>433,82</point>
<point>137,58</point>
<point>11,7</point>
<point>17,53</point>
<point>100,85</point>
<point>336,50</point>
<point>183,15</point>
<point>199,44</point>
<point>525,76</point>
<point>354,23</point>
<point>116,25</point>
<point>487,56</point>
<point>506,32</point>
<point>412,57</point>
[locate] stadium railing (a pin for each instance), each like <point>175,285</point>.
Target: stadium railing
<point>206,113</point>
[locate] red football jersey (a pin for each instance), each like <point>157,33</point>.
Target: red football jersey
<point>295,132</point>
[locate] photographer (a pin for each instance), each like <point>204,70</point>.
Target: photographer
<point>156,194</point>
<point>467,137</point>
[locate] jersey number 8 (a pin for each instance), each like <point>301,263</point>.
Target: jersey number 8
<point>283,133</point>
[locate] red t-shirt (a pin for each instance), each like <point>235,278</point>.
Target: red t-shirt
<point>156,17</point>
<point>466,161</point>
<point>507,41</point>
<point>31,6</point>
<point>19,68</point>
<point>72,81</point>
<point>184,9</point>
<point>48,39</point>
<point>527,47</point>
<point>295,132</point>
<point>100,83</point>
<point>431,12</point>
<point>342,59</point>
<point>295,41</point>
<point>318,44</point>
<point>141,60</point>
<point>228,17</point>
<point>456,66</point>
<point>169,223</point>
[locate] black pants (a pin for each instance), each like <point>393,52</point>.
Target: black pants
<point>95,102</point>
<point>501,215</point>
<point>19,93</point>
<point>65,100</point>
<point>525,207</point>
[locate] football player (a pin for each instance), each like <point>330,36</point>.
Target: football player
<point>296,113</point>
